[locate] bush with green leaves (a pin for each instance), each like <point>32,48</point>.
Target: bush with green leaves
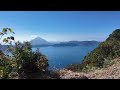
<point>22,61</point>
<point>28,62</point>
<point>6,65</point>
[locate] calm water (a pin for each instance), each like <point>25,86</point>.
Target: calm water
<point>59,57</point>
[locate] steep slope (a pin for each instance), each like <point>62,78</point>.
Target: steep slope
<point>107,50</point>
<point>39,41</point>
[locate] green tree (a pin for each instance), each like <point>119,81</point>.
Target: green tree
<point>5,60</point>
<point>22,61</point>
<point>28,62</point>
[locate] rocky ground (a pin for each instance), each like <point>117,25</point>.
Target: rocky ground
<point>111,72</point>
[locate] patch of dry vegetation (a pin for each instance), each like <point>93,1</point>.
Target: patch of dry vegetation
<point>110,72</point>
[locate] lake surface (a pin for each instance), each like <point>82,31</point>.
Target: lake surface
<point>60,57</point>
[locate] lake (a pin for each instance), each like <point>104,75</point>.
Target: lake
<point>60,57</point>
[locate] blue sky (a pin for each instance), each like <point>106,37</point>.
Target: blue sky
<point>61,25</point>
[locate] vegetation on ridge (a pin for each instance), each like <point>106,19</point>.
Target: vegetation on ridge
<point>106,51</point>
<point>24,63</point>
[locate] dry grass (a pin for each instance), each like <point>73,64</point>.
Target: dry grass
<point>110,72</point>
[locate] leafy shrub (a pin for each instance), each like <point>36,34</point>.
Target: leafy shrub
<point>28,62</point>
<point>6,65</point>
<point>75,67</point>
<point>22,62</point>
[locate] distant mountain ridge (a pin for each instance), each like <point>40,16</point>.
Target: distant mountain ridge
<point>42,42</point>
<point>77,43</point>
